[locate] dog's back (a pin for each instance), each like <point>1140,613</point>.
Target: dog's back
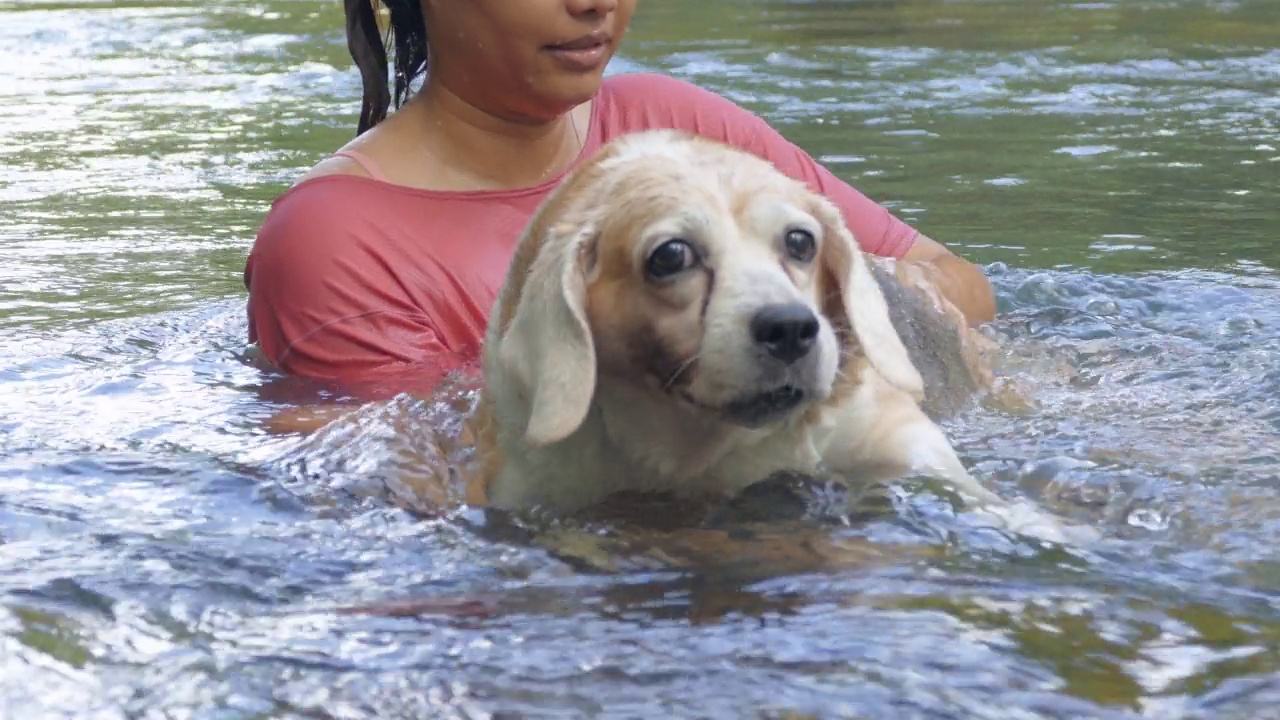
<point>952,359</point>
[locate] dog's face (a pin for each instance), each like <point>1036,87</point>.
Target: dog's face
<point>708,288</point>
<point>699,273</point>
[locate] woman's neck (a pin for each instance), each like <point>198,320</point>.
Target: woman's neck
<point>471,149</point>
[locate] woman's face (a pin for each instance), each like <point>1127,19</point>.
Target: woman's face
<point>524,59</point>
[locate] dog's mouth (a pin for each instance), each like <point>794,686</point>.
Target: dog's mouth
<point>763,408</point>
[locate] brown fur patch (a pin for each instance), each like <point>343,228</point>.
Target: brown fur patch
<point>481,432</point>
<point>643,332</point>
<point>831,302</point>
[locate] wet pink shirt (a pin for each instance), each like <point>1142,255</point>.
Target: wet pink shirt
<point>354,277</point>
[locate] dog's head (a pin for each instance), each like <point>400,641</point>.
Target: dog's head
<point>696,271</point>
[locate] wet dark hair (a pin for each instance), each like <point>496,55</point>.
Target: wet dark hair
<point>364,41</point>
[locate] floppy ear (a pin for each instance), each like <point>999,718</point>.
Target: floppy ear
<point>863,303</point>
<point>548,345</point>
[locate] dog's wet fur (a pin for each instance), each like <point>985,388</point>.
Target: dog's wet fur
<point>953,360</point>
<point>773,346</point>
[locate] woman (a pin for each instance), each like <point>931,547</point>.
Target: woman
<point>383,261</point>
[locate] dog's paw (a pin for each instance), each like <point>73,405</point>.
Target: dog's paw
<point>1025,518</point>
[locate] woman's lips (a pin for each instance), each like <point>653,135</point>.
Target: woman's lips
<point>585,54</point>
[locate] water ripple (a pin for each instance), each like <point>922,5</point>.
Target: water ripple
<point>162,555</point>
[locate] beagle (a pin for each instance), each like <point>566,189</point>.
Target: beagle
<point>679,316</point>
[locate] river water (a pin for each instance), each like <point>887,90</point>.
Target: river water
<point>1112,164</point>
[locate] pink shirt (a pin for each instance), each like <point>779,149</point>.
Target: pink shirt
<point>355,278</point>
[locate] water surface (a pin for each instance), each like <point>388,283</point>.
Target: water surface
<point>1112,164</point>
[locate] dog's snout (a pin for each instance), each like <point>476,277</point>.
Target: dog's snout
<point>787,331</point>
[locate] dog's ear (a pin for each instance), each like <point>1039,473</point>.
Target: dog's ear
<point>863,303</point>
<point>548,345</point>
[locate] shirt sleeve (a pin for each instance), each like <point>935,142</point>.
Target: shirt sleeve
<point>670,102</point>
<point>324,304</point>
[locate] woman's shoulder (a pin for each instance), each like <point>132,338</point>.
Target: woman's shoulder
<point>335,230</point>
<point>322,208</point>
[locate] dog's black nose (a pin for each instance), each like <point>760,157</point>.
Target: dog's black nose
<point>786,331</point>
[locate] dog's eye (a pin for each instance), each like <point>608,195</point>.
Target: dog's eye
<point>670,258</point>
<point>801,245</point>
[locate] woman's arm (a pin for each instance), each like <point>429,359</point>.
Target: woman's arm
<point>960,281</point>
